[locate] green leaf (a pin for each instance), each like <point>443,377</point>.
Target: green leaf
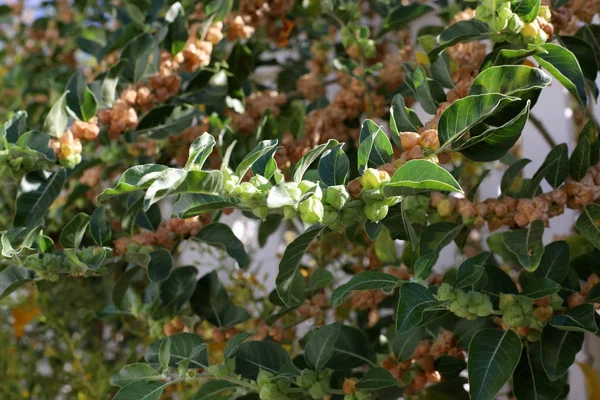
<point>100,226</point>
<point>459,32</point>
<point>268,227</point>
<point>190,205</point>
<point>433,239</point>
<point>471,270</point>
<point>584,52</point>
<point>334,166</point>
<point>135,178</point>
<point>184,346</point>
<point>588,224</point>
<point>405,344</point>
<point>72,233</point>
<point>418,176</point>
<point>80,99</point>
<point>529,379</point>
<point>251,357</point>
<point>449,367</point>
<point>166,120</point>
<point>260,150</point>
<point>400,15</point>
<point>590,131</point>
<point>290,262</point>
<point>310,157</point>
<point>559,348</point>
<point>580,159</point>
<point>493,356</point>
<point>555,262</point>
<point>108,91</point>
<point>563,65</point>
<point>160,266</point>
<point>402,119</point>
<point>352,350</point>
<point>526,244</point>
<point>320,279</point>
<point>179,287</point>
<point>441,71</point>
<point>494,143</point>
<point>423,91</point>
<point>120,288</point>
<point>413,302</point>
<point>137,53</point>
<point>463,114</point>
<point>220,235</point>
<point>134,372</point>
<point>215,389</point>
<point>11,278</point>
<point>593,295</point>
<point>199,151</point>
<point>234,343</point>
<point>512,175</point>
<point>177,35</point>
<point>376,378</point>
<point>141,391</point>
<point>365,280</point>
<point>578,319</point>
<point>218,9</point>
<point>164,353</point>
<point>385,250</point>
<point>56,121</point>
<point>31,206</point>
<point>540,287</point>
<point>527,9</point>
<point>166,183</point>
<point>37,142</point>
<point>558,160</point>
<point>205,182</point>
<point>321,345</point>
<point>14,127</point>
<point>375,149</point>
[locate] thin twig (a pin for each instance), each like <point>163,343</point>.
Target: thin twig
<point>542,129</point>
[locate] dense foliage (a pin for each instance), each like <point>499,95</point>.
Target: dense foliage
<point>133,127</point>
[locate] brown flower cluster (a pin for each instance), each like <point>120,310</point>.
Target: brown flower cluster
<point>467,55</point>
<point>197,52</point>
<point>421,365</point>
<point>174,327</point>
<point>567,19</point>
<point>314,308</point>
<point>255,13</point>
<point>256,105</point>
<point>579,298</point>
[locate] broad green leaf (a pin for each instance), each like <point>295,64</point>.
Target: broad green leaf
<point>512,174</point>
<point>526,244</point>
<point>590,131</point>
<point>215,389</point>
<point>493,356</point>
<point>405,344</point>
<point>190,205</point>
<point>555,262</point>
<point>119,290</point>
<point>109,83</point>
<point>38,144</point>
<point>31,206</point>
<point>265,165</point>
<point>218,9</point>
<point>366,280</point>
<point>593,295</point>
<point>471,270</point>
<point>418,176</point>
<point>199,151</point>
<point>414,299</point>
<point>578,319</point>
<point>100,226</point>
<point>385,250</point>
<point>334,166</point>
<point>177,34</point>
<point>56,121</point>
<point>374,150</point>
<point>268,227</point>
<point>164,353</point>
<point>376,378</point>
<point>423,91</point>
<point>527,9</point>
<point>588,224</point>
<point>441,71</point>
<point>559,348</point>
<point>184,346</point>
<point>11,278</point>
<point>463,114</point>
<point>141,391</point>
<point>580,159</point>
<point>310,157</point>
<point>166,120</point>
<point>251,357</point>
<point>563,65</point>
<point>402,119</point>
<point>585,54</point>
<point>402,14</point>
<point>14,127</point>
<point>234,343</point>
<point>179,287</point>
<point>321,345</point>
<point>72,233</point>
<point>529,379</point>
<point>558,158</point>
<point>538,288</point>
<point>134,372</point>
<point>166,183</point>
<point>290,262</point>
<point>135,178</point>
<point>160,266</point>
<point>218,234</point>
<point>433,239</point>
<point>260,150</point>
<point>494,143</point>
<point>137,52</point>
<point>508,56</point>
<point>352,350</point>
<point>205,182</point>
<point>320,279</point>
<point>449,367</point>
<point>396,223</point>
<point>459,32</point>
<point>80,99</point>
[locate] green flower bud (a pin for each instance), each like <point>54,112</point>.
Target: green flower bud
<point>556,301</point>
<point>391,200</point>
<point>445,292</point>
<point>316,391</point>
<point>515,25</point>
<point>370,179</point>
<point>541,37</point>
<point>260,182</point>
<point>362,395</point>
<point>483,13</point>
<point>498,24</point>
<point>462,298</point>
<point>219,371</point>
<point>376,212</point>
<point>534,335</point>
<point>307,378</point>
<point>337,196</point>
<point>311,210</point>
<point>283,385</point>
<point>332,219</point>
<point>305,186</point>
<point>530,30</point>
<point>289,212</point>
<point>264,377</point>
<point>71,161</point>
<point>504,11</point>
<point>261,212</point>
<point>506,300</point>
<point>230,364</point>
<point>247,191</point>
<point>544,12</point>
<point>293,190</point>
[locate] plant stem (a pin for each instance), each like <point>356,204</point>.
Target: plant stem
<point>542,129</point>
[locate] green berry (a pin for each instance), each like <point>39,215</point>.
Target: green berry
<point>261,212</point>
<point>311,210</point>
<point>370,179</point>
<point>337,196</point>
<point>376,212</point>
<point>289,212</point>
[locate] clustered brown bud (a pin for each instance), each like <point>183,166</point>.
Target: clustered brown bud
<point>86,130</point>
<point>66,146</point>
<point>567,19</point>
<point>424,355</point>
<point>188,226</point>
<point>275,332</point>
<point>467,55</point>
<point>91,176</point>
<point>414,145</point>
<point>221,335</point>
<point>256,105</point>
<point>314,308</point>
<point>258,13</point>
<point>174,326</point>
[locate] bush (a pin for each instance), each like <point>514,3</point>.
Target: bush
<point>133,127</point>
